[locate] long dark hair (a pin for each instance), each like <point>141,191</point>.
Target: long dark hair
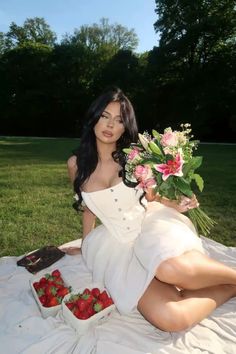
<point>87,155</point>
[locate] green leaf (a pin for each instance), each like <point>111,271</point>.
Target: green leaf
<point>153,160</point>
<point>199,181</point>
<point>158,176</point>
<point>167,190</point>
<point>186,168</point>
<point>196,162</point>
<point>154,148</point>
<point>127,150</point>
<point>193,164</point>
<point>183,186</point>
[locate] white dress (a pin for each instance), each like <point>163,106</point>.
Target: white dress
<point>124,252</point>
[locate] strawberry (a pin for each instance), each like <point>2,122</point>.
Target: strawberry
<point>95,292</point>
<point>43,299</point>
<point>57,285</point>
<point>86,291</point>
<point>82,305</point>
<point>63,292</point>
<point>76,312</point>
<point>59,281</point>
<point>42,281</point>
<point>108,302</point>
<point>83,315</point>
<point>70,305</point>
<point>90,310</point>
<point>98,306</point>
<point>50,290</point>
<point>103,296</point>
<point>89,298</point>
<point>36,285</point>
<point>53,301</point>
<point>56,273</point>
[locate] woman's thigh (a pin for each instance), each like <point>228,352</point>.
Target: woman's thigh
<point>159,305</point>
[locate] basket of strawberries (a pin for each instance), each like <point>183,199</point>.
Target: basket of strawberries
<point>86,306</point>
<point>49,290</point>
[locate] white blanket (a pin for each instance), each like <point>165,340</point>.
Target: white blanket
<point>23,330</point>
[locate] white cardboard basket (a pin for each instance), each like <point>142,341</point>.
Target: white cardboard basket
<point>46,311</point>
<point>79,325</point>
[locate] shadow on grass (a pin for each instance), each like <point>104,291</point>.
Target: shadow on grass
<point>35,151</point>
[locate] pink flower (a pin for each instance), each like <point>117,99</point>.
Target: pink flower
<point>169,138</point>
<point>172,167</point>
<point>142,172</point>
<point>148,183</point>
<point>133,154</point>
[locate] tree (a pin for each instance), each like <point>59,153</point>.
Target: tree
<point>102,35</point>
<point>25,89</point>
<point>193,31</point>
<point>193,69</point>
<point>34,30</point>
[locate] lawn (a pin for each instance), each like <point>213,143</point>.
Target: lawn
<point>36,195</point>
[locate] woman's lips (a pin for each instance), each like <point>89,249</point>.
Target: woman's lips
<point>107,134</point>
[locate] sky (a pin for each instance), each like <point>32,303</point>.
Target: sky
<point>64,16</point>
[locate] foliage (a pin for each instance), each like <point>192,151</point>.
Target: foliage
<point>192,73</point>
<point>34,30</point>
<point>46,86</point>
<point>103,36</point>
<point>192,32</point>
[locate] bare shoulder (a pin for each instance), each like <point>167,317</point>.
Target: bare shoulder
<point>72,167</point>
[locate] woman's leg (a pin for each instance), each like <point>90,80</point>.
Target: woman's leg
<point>194,270</point>
<point>171,310</point>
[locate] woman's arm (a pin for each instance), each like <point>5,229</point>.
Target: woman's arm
<point>72,168</point>
<point>88,218</point>
<point>182,206</point>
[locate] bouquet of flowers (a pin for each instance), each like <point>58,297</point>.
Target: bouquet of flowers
<point>166,163</point>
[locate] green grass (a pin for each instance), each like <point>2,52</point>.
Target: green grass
<point>36,195</point>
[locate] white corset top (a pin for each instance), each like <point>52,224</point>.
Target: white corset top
<point>119,210</point>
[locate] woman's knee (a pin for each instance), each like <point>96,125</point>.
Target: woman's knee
<point>176,270</point>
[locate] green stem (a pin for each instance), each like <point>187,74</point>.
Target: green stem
<point>201,221</point>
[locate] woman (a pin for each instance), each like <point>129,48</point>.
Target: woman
<point>146,252</point>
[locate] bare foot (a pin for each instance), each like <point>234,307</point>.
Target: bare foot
<point>71,250</point>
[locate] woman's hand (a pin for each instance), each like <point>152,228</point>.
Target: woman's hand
<point>71,250</point>
<point>185,203</point>
<point>182,205</point>
<point>150,194</point>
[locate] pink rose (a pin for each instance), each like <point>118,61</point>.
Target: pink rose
<point>148,183</point>
<point>169,138</point>
<point>172,167</point>
<point>142,172</point>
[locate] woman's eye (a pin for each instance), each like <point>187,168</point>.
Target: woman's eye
<point>103,116</point>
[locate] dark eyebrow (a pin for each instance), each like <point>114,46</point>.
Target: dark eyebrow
<point>106,112</point>
<point>110,114</point>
